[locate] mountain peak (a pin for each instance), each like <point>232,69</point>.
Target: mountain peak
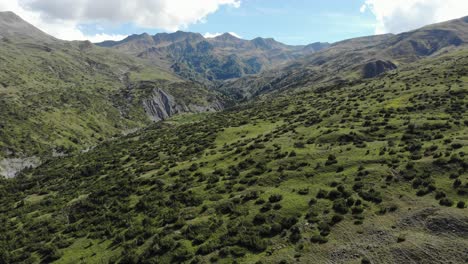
<point>266,43</point>
<point>227,36</point>
<point>176,36</point>
<point>14,27</point>
<point>9,16</point>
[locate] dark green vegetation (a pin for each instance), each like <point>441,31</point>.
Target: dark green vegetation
<point>369,171</point>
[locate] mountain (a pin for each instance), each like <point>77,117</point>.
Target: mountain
<point>373,171</point>
<point>194,57</point>
<point>57,97</point>
<point>12,26</point>
<point>355,58</point>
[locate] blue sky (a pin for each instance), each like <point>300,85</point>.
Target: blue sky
<point>291,22</point>
<point>288,21</point>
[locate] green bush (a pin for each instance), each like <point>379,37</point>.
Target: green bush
<point>461,204</point>
<point>274,198</point>
<point>446,202</point>
<point>318,239</point>
<point>340,206</point>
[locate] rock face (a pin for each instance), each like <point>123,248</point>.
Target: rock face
<point>162,105</point>
<point>375,68</point>
<point>9,168</point>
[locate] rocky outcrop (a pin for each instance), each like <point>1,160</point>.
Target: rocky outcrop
<point>9,168</point>
<point>377,67</point>
<point>162,105</point>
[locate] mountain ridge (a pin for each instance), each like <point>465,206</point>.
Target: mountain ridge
<point>355,58</point>
<point>215,59</point>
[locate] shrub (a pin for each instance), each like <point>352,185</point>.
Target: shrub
<point>321,194</point>
<point>401,238</point>
<point>274,198</point>
<point>461,204</point>
<point>340,206</point>
<point>288,222</point>
<point>312,201</point>
<point>365,261</point>
<point>357,210</point>
<point>336,219</point>
<point>208,247</point>
<point>259,219</point>
<point>331,160</point>
<point>299,145</point>
<point>295,235</point>
<point>457,145</point>
<point>457,183</point>
<point>333,195</point>
<point>252,242</point>
<point>181,254</point>
<point>266,207</point>
<point>446,202</point>
<point>318,239</point>
<point>439,195</point>
<point>51,253</point>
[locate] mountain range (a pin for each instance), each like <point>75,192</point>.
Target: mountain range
<point>176,148</point>
<point>220,58</point>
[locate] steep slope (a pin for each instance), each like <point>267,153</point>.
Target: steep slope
<point>356,58</point>
<point>369,172</point>
<point>192,56</point>
<point>57,97</point>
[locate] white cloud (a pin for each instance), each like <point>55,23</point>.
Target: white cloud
<point>102,37</point>
<point>397,16</point>
<point>214,35</point>
<point>211,35</point>
<point>61,18</point>
<point>363,8</point>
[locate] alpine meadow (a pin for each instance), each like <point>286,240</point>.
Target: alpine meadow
<point>179,147</point>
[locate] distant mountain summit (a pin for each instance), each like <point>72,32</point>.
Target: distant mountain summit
<point>211,59</point>
<point>14,27</point>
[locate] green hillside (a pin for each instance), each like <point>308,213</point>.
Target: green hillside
<point>57,97</point>
<point>368,171</point>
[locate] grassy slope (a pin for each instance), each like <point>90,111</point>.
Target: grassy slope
<point>360,170</point>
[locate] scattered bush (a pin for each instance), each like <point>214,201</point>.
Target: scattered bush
<point>446,202</point>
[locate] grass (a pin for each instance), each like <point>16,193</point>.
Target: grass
<point>87,250</point>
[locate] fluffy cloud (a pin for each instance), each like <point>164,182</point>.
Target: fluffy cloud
<point>396,16</point>
<point>214,35</point>
<point>61,18</point>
